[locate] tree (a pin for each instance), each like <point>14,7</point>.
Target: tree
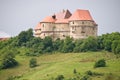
<point>33,62</point>
<point>100,63</point>
<point>117,50</point>
<point>8,60</point>
<point>25,36</point>
<point>89,44</point>
<point>68,45</point>
<point>48,44</point>
<point>56,44</point>
<point>77,47</point>
<point>107,45</point>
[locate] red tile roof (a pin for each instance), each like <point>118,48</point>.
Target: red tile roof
<point>65,14</point>
<point>61,21</point>
<point>49,19</point>
<point>38,26</point>
<point>81,15</point>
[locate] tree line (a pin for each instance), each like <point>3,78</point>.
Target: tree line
<point>109,42</point>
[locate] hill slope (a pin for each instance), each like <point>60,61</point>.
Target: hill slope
<point>51,65</point>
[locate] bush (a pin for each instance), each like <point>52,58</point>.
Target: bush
<point>59,77</point>
<point>89,73</point>
<point>8,61</point>
<point>74,71</point>
<point>85,77</point>
<point>100,63</point>
<point>33,62</point>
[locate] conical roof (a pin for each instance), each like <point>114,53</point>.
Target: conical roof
<point>81,15</point>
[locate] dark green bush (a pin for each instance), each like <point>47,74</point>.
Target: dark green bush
<point>89,73</point>
<point>8,60</point>
<point>33,62</point>
<point>85,77</point>
<point>100,63</point>
<point>59,77</point>
<point>74,71</point>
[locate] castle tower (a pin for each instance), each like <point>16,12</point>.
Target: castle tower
<point>45,27</point>
<point>82,25</point>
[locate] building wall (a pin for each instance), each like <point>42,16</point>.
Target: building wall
<point>61,30</point>
<point>82,29</point>
<point>75,29</point>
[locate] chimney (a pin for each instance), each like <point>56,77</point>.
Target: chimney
<point>54,16</point>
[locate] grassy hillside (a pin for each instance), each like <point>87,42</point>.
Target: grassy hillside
<point>51,65</point>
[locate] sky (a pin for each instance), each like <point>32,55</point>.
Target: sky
<point>20,15</point>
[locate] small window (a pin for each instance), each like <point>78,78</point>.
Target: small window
<point>82,22</point>
<point>72,22</point>
<point>43,25</point>
<point>63,35</point>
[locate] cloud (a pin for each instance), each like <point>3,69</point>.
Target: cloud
<point>3,34</point>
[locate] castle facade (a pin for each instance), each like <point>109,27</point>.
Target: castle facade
<point>78,25</point>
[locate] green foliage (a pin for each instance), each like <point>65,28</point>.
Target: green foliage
<point>74,71</point>
<point>68,45</point>
<point>110,42</point>
<point>59,77</point>
<point>25,36</point>
<point>33,62</point>
<point>57,44</point>
<point>8,60</point>
<point>85,77</point>
<point>48,44</point>
<point>37,46</point>
<point>89,73</point>
<point>89,44</point>
<point>100,63</point>
<point>77,47</point>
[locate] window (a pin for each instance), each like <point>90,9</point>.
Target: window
<point>83,22</point>
<point>73,22</point>
<point>43,25</point>
<point>63,35</point>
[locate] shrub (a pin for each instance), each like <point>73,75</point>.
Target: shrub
<point>85,77</point>
<point>100,63</point>
<point>8,60</point>
<point>33,62</point>
<point>89,73</point>
<point>59,77</point>
<point>74,71</point>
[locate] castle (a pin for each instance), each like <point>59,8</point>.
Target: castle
<point>77,25</point>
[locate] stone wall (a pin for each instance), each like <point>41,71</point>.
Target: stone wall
<point>82,29</point>
<point>75,29</point>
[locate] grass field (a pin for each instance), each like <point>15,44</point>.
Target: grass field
<point>51,65</point>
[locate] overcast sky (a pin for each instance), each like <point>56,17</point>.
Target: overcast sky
<point>19,15</point>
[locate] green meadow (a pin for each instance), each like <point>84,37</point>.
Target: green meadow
<point>49,66</point>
